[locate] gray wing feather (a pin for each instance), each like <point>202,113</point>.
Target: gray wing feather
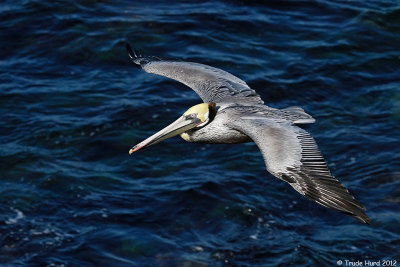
<point>291,154</point>
<point>211,84</point>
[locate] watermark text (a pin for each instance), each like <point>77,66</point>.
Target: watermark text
<point>367,263</point>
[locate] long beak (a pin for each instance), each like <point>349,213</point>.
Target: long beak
<point>179,126</point>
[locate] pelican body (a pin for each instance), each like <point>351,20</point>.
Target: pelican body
<point>232,113</point>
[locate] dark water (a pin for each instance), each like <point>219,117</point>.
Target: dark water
<point>72,104</point>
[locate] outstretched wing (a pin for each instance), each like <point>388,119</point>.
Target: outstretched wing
<point>211,84</point>
<point>291,154</point>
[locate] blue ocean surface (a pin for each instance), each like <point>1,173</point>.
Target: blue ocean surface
<point>72,104</point>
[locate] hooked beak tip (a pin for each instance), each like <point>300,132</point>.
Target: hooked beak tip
<point>134,149</point>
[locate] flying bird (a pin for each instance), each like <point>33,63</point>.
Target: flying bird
<point>232,113</point>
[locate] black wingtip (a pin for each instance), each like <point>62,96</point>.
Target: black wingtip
<point>131,54</point>
<point>135,55</point>
<point>363,217</point>
<point>136,52</point>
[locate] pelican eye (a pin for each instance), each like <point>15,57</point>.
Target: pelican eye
<point>191,116</point>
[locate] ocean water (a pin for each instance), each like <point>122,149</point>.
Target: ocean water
<point>72,105</point>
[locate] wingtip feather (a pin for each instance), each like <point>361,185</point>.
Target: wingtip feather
<point>361,216</point>
<point>133,54</point>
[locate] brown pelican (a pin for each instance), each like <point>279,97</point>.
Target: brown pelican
<point>232,112</point>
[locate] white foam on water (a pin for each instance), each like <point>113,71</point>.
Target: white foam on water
<point>15,219</point>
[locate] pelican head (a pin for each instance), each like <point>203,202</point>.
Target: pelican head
<point>195,117</point>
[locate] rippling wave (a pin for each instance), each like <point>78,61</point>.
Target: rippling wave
<point>72,105</point>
